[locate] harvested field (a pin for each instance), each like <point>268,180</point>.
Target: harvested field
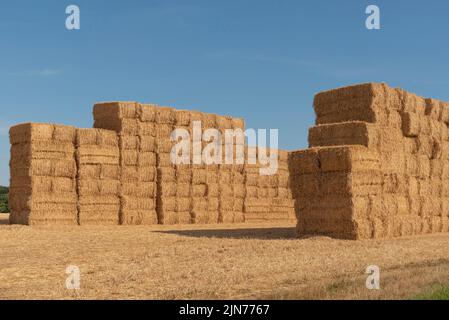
<point>250,260</point>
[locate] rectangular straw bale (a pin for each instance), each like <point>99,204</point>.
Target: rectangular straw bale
<point>166,204</point>
<point>138,217</point>
<point>163,145</point>
<point>43,167</point>
<point>199,176</point>
<point>238,123</point>
<point>166,174</point>
<point>199,190</point>
<point>182,190</point>
<point>146,112</point>
<point>304,161</point>
<point>346,133</point>
<point>27,132</point>
<point>147,129</point>
<point>183,204</point>
<point>213,189</point>
<point>147,159</point>
<point>165,115</point>
<point>183,175</point>
<point>116,110</point>
<point>353,103</point>
<point>199,204</point>
<point>182,117</point>
<point>433,108</point>
<point>167,189</point>
<point>141,189</point>
<point>147,143</point>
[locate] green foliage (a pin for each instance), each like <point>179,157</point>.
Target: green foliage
<point>4,199</point>
<point>436,293</point>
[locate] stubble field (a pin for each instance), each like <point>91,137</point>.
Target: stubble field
<point>254,261</point>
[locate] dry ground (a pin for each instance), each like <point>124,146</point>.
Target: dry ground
<point>220,261</point>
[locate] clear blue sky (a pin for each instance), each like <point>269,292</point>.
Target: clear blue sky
<point>263,60</point>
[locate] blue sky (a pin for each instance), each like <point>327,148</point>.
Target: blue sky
<point>262,60</point>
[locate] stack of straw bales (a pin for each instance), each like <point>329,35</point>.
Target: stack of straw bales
<point>98,180</point>
<point>204,179</point>
<point>171,209</point>
<point>408,136</point>
<point>231,178</point>
<point>43,174</point>
<point>135,126</point>
<point>268,197</point>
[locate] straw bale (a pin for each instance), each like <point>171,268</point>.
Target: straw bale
<point>166,174</point>
<point>147,129</point>
<point>238,123</point>
<point>348,133</point>
<point>223,122</point>
<point>411,124</point>
<point>209,120</point>
<point>213,204</point>
<point>147,159</point>
<point>167,204</point>
<point>129,143</point>
<point>167,189</point>
<point>141,190</point>
<point>182,204</point>
<point>121,126</point>
<point>27,132</point>
<point>99,215</point>
<point>182,117</point>
<point>164,145</point>
<point>146,112</point>
<point>213,189</point>
<point>138,217</point>
<point>212,176</point>
<point>433,108</point>
<point>199,190</point>
<point>165,115</point>
<point>226,217</point>
<point>42,167</point>
<point>239,191</point>
<point>116,110</point>
<point>183,175</point>
<point>226,190</point>
<point>201,217</point>
<point>199,176</point>
<point>137,203</point>
<point>238,177</point>
<point>225,177</point>
<point>304,161</point>
<point>199,204</point>
<point>147,143</point>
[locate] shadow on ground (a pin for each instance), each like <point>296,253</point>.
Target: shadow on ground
<point>250,233</point>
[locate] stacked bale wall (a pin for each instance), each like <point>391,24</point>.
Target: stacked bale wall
<point>135,125</point>
<point>43,174</point>
<point>98,179</point>
<point>401,140</point>
<point>268,197</point>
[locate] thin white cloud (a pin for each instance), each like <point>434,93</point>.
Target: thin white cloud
<point>36,73</point>
<point>308,65</point>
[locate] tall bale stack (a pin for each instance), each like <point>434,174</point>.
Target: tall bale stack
<point>204,191</point>
<point>169,208</point>
<point>43,175</point>
<point>231,179</point>
<point>98,179</point>
<point>336,190</point>
<point>135,126</point>
<point>409,136</point>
